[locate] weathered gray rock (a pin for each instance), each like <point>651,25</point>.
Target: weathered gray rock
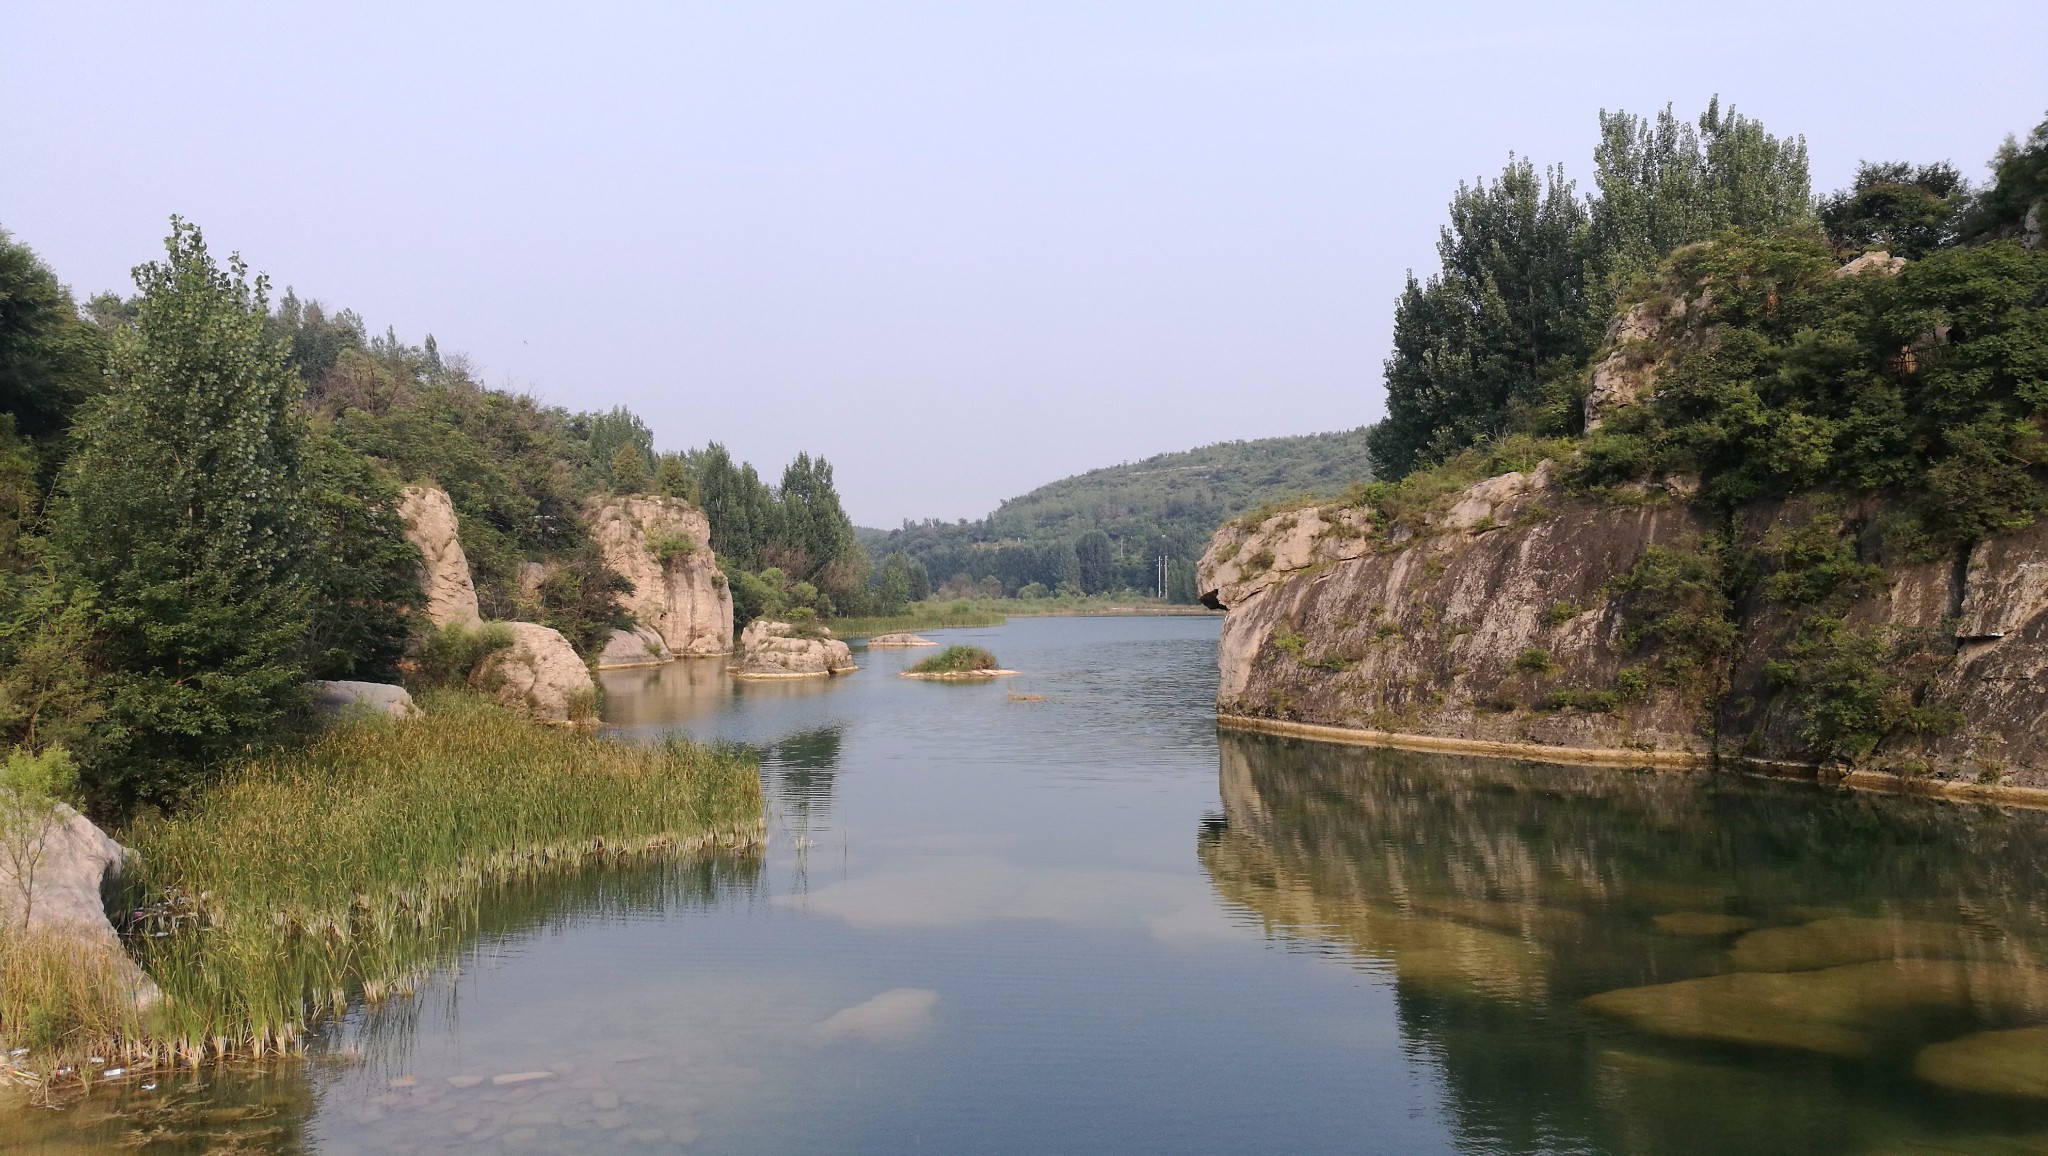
<point>776,650</point>
<point>1379,629</point>
<point>540,676</point>
<point>53,863</point>
<point>640,646</point>
<point>1877,262</point>
<point>662,545</point>
<point>347,699</point>
<point>444,568</point>
<point>1498,623</point>
<point>889,640</point>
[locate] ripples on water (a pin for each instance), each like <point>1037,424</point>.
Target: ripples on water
<point>1058,913</point>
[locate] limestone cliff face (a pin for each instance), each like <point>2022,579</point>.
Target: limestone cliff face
<point>662,546</point>
<point>444,568</point>
<point>1436,633</point>
<point>1493,619</point>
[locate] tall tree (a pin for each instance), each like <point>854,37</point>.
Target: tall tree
<point>1906,211</point>
<point>1506,314</point>
<point>185,512</point>
<point>50,361</point>
<point>1665,183</point>
<point>1096,556</point>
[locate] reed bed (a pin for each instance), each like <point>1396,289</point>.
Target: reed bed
<point>349,867</point>
<point>921,616</point>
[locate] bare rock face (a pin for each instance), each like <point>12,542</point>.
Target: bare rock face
<point>346,699</point>
<point>775,650</point>
<point>662,545</point>
<point>444,572</point>
<point>539,676</point>
<point>53,862</point>
<point>1877,261</point>
<point>1468,631</point>
<point>64,858</point>
<point>1499,622</point>
<point>640,646</point>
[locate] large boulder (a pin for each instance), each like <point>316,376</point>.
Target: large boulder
<point>53,862</point>
<point>662,545</point>
<point>778,650</point>
<point>444,568</point>
<point>539,676</point>
<point>345,699</point>
<point>640,646</point>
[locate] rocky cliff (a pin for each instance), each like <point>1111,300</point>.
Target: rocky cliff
<point>444,569</point>
<point>1514,618</point>
<point>662,546</point>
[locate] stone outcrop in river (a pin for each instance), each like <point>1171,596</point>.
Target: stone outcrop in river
<point>662,545</point>
<point>444,569</point>
<point>779,650</point>
<point>1515,618</point>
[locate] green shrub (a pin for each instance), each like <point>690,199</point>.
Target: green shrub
<point>446,656</point>
<point>1534,660</point>
<point>957,660</point>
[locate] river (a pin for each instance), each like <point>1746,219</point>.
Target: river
<point>1059,913</point>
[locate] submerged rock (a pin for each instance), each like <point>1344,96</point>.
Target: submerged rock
<point>778,650</point>
<point>899,640</point>
<point>1840,1011</point>
<point>2009,1063</point>
<point>1847,939</point>
<point>344,699</point>
<point>539,676</point>
<point>1702,923</point>
<point>444,569</point>
<point>640,646</point>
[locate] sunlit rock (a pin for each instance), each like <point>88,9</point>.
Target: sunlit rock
<point>444,569</point>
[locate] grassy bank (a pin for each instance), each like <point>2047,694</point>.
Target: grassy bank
<point>935,615</point>
<point>346,868</point>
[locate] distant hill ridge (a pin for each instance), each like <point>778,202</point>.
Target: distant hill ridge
<point>1166,506</point>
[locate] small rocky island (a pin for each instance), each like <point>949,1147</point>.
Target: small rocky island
<point>770,649</point>
<point>958,664</point>
<point>892,640</point>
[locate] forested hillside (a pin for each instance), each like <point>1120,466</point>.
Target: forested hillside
<point>1106,529</point>
<point>199,490</point>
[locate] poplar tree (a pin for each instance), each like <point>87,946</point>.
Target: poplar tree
<point>184,510</point>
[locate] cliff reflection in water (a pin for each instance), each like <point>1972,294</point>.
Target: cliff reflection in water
<point>1612,961</point>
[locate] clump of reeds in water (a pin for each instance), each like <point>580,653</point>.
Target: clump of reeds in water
<point>349,867</point>
<point>957,660</point>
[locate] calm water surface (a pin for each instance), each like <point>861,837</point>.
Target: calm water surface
<point>1059,913</point>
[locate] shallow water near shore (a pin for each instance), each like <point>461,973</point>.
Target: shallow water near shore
<point>1059,912</point>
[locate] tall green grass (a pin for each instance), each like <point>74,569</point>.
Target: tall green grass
<point>346,868</point>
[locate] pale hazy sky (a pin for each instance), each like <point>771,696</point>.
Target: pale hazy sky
<point>959,249</point>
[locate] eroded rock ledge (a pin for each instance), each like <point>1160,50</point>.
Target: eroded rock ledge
<point>1491,624</point>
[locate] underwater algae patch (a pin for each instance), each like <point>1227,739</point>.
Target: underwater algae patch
<point>1854,1011</point>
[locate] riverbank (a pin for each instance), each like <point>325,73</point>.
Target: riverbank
<point>967,612</point>
<point>339,872</point>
